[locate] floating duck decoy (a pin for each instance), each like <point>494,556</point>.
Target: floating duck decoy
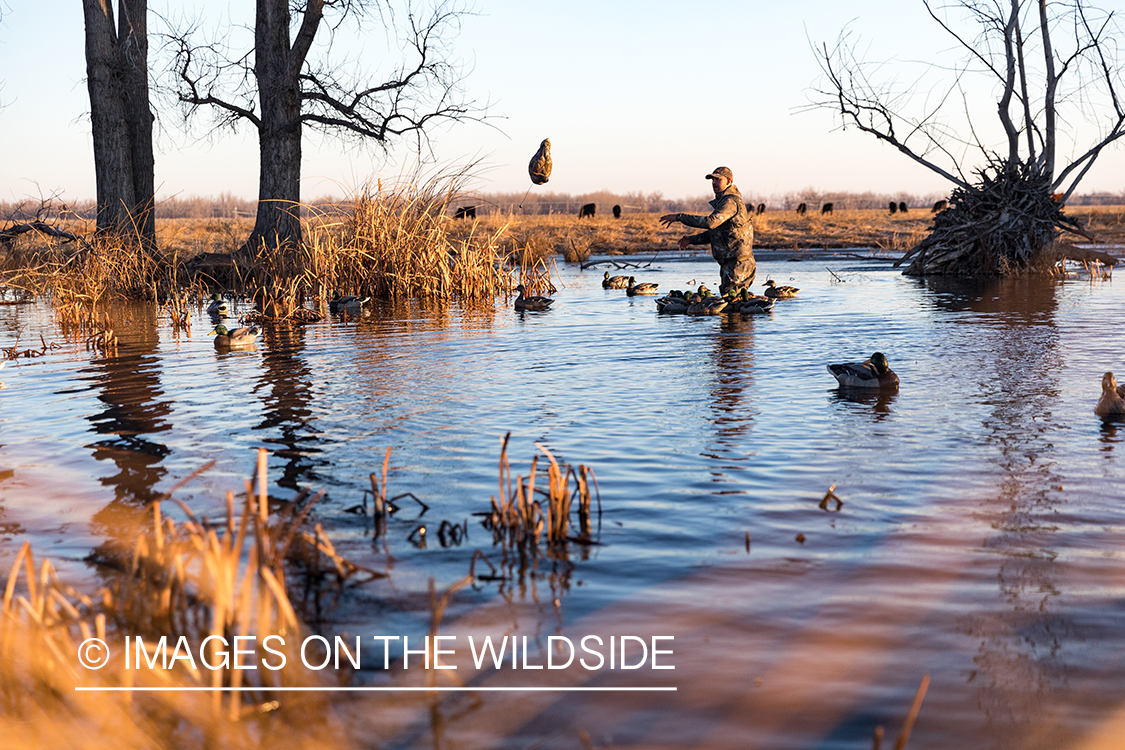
<point>614,282</point>
<point>780,292</point>
<point>1112,402</point>
<point>351,305</point>
<point>673,303</point>
<point>531,303</point>
<point>235,338</point>
<point>748,303</point>
<point>218,307</point>
<point>873,373</point>
<point>712,305</point>
<point>633,289</point>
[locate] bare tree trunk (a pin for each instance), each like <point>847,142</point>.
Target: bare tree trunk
<point>120,118</point>
<point>277,68</point>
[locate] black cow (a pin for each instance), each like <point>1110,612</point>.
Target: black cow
<point>465,212</point>
<point>893,207</point>
<point>826,208</point>
<point>802,208</point>
<point>761,208</point>
<point>902,207</point>
<point>587,210</point>
<point>617,212</point>
<point>940,206</point>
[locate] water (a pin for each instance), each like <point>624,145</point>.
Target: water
<point>979,539</point>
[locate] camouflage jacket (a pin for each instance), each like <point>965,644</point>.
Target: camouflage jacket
<point>729,228</point>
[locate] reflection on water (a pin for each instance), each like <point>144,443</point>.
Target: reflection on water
<point>976,541</point>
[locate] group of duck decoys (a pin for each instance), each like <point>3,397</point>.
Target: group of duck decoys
<point>271,308</point>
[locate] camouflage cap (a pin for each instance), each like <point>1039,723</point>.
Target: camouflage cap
<point>721,172</point>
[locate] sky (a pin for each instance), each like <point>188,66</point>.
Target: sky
<point>636,97</point>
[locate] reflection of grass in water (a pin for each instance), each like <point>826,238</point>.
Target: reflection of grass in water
<point>193,580</point>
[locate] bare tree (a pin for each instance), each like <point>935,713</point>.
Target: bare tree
<point>1053,65</point>
<point>121,118</point>
<point>278,89</point>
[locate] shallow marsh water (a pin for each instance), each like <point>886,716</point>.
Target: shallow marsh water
<point>980,539</point>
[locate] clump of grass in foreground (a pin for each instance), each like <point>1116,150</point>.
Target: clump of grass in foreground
<point>193,579</point>
<point>525,515</point>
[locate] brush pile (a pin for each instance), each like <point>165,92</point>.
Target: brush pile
<point>1005,225</point>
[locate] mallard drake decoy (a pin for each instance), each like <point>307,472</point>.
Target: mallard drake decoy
<point>633,289</point>
<point>237,337</point>
<point>351,305</point>
<point>873,373</point>
<point>1112,402</point>
<point>614,282</point>
<point>218,307</point>
<point>780,292</point>
<point>531,303</point>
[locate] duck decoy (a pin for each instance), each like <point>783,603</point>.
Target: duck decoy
<point>675,302</point>
<point>780,292</point>
<point>218,307</point>
<point>351,305</point>
<point>235,338</point>
<point>614,282</point>
<point>633,289</point>
<point>872,373</point>
<point>531,303</point>
<point>1112,402</point>
<point>750,304</point>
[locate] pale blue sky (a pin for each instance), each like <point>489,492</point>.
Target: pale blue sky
<point>635,96</point>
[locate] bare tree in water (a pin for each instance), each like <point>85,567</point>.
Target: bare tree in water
<point>1054,65</point>
<point>278,89</point>
<point>121,118</point>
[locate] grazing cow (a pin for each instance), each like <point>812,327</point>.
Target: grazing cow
<point>617,212</point>
<point>940,206</point>
<point>587,210</point>
<point>826,208</point>
<point>893,207</point>
<point>761,208</point>
<point>465,212</point>
<point>1057,197</point>
<point>802,208</point>
<point>902,207</point>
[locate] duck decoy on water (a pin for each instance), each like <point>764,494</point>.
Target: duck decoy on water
<point>874,373</point>
<point>218,307</point>
<point>531,303</point>
<point>614,282</point>
<point>749,304</point>
<point>235,338</point>
<point>780,292</point>
<point>1112,402</point>
<point>351,305</point>
<point>634,288</point>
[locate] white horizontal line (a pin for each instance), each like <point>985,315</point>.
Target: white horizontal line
<point>378,689</point>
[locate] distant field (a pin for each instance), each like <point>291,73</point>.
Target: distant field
<point>636,233</point>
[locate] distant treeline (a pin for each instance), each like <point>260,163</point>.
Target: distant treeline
<point>228,206</point>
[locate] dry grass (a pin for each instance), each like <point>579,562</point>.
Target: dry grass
<point>194,580</point>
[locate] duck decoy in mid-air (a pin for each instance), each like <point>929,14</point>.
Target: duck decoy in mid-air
<point>874,373</point>
<point>351,305</point>
<point>1112,402</point>
<point>780,292</point>
<point>633,289</point>
<point>531,303</point>
<point>237,337</point>
<point>614,282</point>
<point>218,307</point>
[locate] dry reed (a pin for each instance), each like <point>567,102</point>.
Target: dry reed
<point>526,515</point>
<point>192,580</point>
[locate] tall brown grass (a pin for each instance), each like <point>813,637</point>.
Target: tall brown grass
<point>193,579</point>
